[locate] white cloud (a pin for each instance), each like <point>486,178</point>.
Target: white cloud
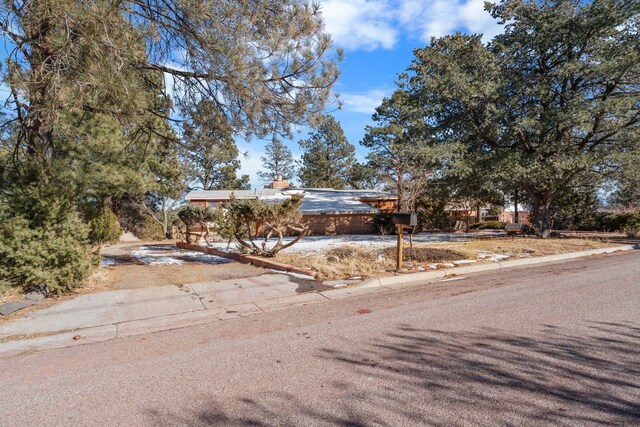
<point>373,24</point>
<point>363,102</point>
<point>360,24</point>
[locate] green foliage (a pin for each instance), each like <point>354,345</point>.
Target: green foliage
<point>488,225</point>
<point>104,228</point>
<point>575,209</point>
<point>250,220</point>
<point>44,246</point>
<point>211,152</point>
<point>401,154</point>
<point>277,160</point>
<point>546,106</point>
<point>432,213</point>
<point>193,215</point>
<point>632,227</point>
<point>149,229</point>
<point>616,221</point>
<point>327,158</point>
<point>382,224</point>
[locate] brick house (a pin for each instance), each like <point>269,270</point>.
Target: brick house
<point>325,210</point>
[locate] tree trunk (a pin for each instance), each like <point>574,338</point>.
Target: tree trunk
<point>541,216</point>
<point>515,205</point>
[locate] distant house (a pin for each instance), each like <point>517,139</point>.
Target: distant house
<point>325,210</point>
<point>461,214</point>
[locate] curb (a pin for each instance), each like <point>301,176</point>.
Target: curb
<point>247,259</point>
<point>438,274</point>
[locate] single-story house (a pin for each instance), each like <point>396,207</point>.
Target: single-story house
<point>325,210</point>
<point>461,213</point>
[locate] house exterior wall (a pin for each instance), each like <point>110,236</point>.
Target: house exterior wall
<point>385,206</point>
<point>329,225</point>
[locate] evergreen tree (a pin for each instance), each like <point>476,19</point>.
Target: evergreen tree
<point>400,151</point>
<point>74,57</point>
<point>277,160</point>
<point>327,158</point>
<point>210,150</point>
<point>548,102</point>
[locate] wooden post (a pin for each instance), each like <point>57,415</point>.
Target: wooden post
<point>400,246</point>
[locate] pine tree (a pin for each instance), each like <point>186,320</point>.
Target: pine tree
<point>327,158</point>
<point>547,104</point>
<point>277,161</point>
<point>210,151</point>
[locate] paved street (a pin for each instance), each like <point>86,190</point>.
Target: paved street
<point>556,345</point>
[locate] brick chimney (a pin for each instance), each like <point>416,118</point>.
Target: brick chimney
<point>279,183</point>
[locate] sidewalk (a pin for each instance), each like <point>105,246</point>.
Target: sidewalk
<point>108,315</point>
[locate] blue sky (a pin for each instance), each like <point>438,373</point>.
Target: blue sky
<point>378,37</point>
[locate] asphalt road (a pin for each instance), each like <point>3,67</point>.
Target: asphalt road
<point>552,345</point>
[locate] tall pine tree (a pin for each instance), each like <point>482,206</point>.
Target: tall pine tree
<point>210,150</point>
<point>277,161</point>
<point>327,158</point>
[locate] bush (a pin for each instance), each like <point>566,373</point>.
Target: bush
<point>632,227</point>
<point>53,257</point>
<point>616,221</point>
<point>382,224</point>
<point>488,225</point>
<point>149,229</point>
<point>195,215</point>
<point>252,220</point>
<point>104,228</point>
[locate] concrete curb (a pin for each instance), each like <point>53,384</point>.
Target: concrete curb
<point>412,278</point>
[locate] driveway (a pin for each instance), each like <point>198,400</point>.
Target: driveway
<point>154,264</point>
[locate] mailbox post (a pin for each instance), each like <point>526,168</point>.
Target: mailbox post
<point>402,220</point>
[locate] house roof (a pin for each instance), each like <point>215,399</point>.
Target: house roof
<point>316,201</point>
<point>227,194</point>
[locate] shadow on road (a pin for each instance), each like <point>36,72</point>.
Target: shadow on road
<point>429,377</point>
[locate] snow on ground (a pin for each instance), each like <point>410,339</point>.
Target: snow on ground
<point>170,255</point>
<point>373,241</point>
<point>107,262</point>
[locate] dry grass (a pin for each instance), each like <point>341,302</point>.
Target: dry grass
<point>354,261</point>
<point>527,246</point>
<point>339,263</point>
<point>426,254</point>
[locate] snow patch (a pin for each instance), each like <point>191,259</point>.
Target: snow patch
<point>107,262</point>
<point>151,255</point>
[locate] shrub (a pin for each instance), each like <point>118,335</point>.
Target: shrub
<point>632,227</point>
<point>104,228</point>
<point>149,229</point>
<point>196,215</point>
<point>616,221</point>
<point>53,257</point>
<point>382,224</point>
<point>488,225</point>
<point>252,220</point>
